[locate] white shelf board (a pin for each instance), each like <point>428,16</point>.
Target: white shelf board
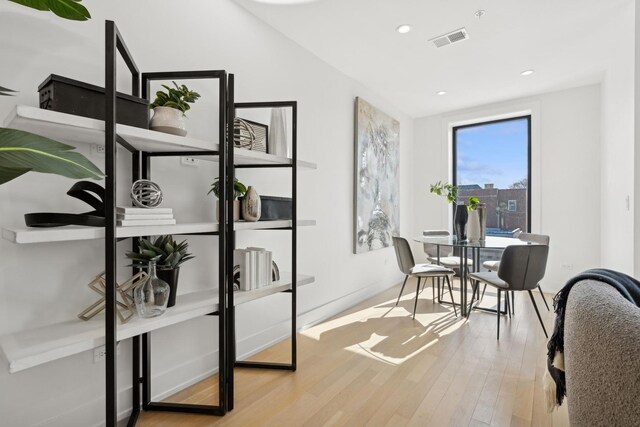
<point>34,347</point>
<point>72,233</point>
<point>76,130</point>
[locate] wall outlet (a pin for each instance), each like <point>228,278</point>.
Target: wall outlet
<point>189,161</point>
<point>100,353</point>
<point>98,149</point>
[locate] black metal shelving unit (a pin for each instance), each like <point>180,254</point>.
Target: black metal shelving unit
<point>141,169</point>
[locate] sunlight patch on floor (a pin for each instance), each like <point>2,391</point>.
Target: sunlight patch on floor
<point>388,333</point>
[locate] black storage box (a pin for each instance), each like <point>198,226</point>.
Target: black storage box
<point>274,208</point>
<point>82,99</point>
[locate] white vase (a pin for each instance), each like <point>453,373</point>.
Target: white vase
<point>251,206</point>
<point>236,210</point>
<point>168,120</point>
<point>278,133</point>
<point>473,227</point>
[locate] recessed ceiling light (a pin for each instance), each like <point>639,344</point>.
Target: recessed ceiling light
<point>442,92</point>
<point>527,72</point>
<point>404,28</point>
<point>480,13</point>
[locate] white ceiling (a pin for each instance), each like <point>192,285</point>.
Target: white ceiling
<point>565,41</point>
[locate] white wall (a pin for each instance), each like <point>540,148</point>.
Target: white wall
<point>565,173</point>
<point>636,168</point>
<point>617,150</point>
<point>46,283</point>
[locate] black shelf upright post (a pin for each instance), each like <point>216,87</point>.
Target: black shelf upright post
<point>231,242</point>
<point>114,44</point>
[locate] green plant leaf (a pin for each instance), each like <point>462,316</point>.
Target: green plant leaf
<point>67,9</point>
<point>26,151</point>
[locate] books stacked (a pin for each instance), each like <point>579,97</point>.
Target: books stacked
<point>130,217</point>
<point>255,267</point>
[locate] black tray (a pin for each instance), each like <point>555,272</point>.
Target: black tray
<point>69,96</point>
<point>276,208</point>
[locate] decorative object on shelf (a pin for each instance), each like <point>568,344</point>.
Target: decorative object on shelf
<point>146,194</point>
<point>70,96</point>
<point>125,305</point>
<point>128,217</point>
<point>477,225</point>
<point>275,274</point>
<point>22,152</point>
<point>377,182</point>
<point>243,134</point>
<point>67,9</point>
<point>251,135</point>
<point>275,208</point>
<point>152,295</point>
<point>6,91</point>
<point>168,256</point>
<point>461,211</point>
<point>251,205</point>
<point>278,141</point>
<point>81,190</point>
<point>239,190</point>
<point>169,109</point>
<point>255,268</point>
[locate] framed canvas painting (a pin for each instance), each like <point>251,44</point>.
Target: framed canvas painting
<point>377,180</point>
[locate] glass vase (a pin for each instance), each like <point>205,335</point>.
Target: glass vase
<point>151,296</point>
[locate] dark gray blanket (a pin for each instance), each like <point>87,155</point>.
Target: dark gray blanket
<point>626,285</point>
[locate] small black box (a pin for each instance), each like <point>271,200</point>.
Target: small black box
<point>69,96</point>
<point>274,208</point>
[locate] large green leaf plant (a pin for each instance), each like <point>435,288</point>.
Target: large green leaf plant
<point>22,152</point>
<point>67,9</point>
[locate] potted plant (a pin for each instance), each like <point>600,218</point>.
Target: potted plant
<point>461,210</point>
<point>168,256</point>
<point>239,190</point>
<point>169,109</point>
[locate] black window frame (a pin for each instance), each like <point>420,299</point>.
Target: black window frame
<point>454,157</point>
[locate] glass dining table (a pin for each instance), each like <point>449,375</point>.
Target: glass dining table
<point>466,248</point>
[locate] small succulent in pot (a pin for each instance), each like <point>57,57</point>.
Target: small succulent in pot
<point>169,109</point>
<point>168,255</point>
<point>239,190</point>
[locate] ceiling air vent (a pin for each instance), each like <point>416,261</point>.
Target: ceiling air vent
<point>450,38</point>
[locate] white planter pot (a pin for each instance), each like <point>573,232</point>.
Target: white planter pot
<point>473,227</point>
<point>168,120</point>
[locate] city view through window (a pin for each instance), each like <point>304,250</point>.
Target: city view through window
<point>491,162</point>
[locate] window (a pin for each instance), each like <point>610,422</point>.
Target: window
<point>492,161</point>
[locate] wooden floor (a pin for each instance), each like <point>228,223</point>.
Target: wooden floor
<point>373,365</point>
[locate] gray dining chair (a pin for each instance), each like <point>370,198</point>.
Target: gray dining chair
<point>447,258</point>
<point>409,268</point>
<point>541,239</point>
<point>521,269</point>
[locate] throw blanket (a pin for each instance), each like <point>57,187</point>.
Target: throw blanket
<point>554,381</point>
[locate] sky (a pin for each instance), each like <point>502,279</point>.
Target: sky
<point>492,153</point>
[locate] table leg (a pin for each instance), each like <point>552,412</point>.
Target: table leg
<point>463,281</point>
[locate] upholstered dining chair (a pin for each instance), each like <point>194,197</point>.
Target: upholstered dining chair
<point>447,258</point>
<point>521,269</point>
<point>409,268</point>
<point>540,239</point>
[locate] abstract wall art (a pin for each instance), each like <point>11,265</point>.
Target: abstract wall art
<point>377,181</point>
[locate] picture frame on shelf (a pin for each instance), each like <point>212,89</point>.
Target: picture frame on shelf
<point>260,133</point>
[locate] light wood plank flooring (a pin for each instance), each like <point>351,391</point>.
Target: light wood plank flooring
<point>373,365</point>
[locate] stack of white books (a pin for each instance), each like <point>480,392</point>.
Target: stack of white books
<point>255,267</point>
<point>130,217</point>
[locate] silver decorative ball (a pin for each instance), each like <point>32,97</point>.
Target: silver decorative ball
<point>146,194</point>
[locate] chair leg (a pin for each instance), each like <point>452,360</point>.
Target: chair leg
<point>473,295</point>
<point>543,298</point>
<point>415,305</point>
<point>498,314</point>
<point>513,303</point>
<point>433,289</point>
<point>451,293</point>
<point>483,289</point>
<point>402,289</point>
<point>538,313</point>
<point>507,303</point>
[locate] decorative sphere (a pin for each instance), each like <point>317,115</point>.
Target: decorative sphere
<point>146,194</point>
